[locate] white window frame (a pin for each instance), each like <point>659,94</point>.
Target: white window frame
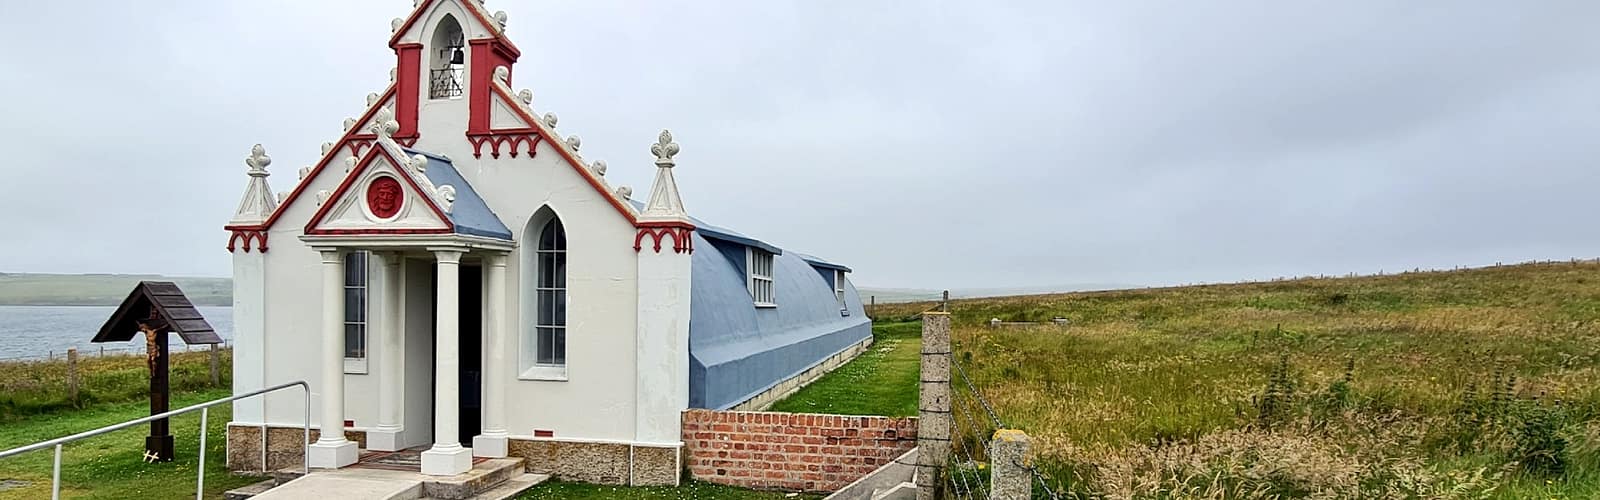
<point>838,292</point>
<point>759,265</point>
<point>538,370</point>
<point>358,365</point>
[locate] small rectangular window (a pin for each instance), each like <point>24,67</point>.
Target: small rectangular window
<point>838,292</point>
<point>759,264</point>
<point>355,305</point>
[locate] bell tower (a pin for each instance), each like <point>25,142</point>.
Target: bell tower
<point>447,52</point>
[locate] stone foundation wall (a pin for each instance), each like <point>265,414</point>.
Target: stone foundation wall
<point>285,446</point>
<point>791,451</point>
<point>600,463</point>
<point>765,400</point>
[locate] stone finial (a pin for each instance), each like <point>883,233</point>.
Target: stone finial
<point>305,172</point>
<point>502,74</point>
<point>395,24</point>
<point>322,196</point>
<point>392,73</point>
<point>501,18</point>
<point>419,162</point>
<point>350,163</point>
<point>625,192</point>
<point>349,123</point>
<point>258,161</point>
<point>526,96</point>
<point>665,149</point>
<point>550,120</point>
<point>384,124</point>
<point>282,197</point>
<point>599,167</point>
<point>326,147</point>
<point>574,142</point>
<point>372,98</point>
<point>257,203</point>
<point>447,197</point>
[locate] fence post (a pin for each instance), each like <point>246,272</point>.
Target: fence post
<point>1009,477</point>
<point>933,415</point>
<point>872,309</point>
<point>944,301</point>
<point>216,363</point>
<point>72,375</point>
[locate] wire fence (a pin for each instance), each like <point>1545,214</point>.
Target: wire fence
<point>974,421</point>
<point>100,350</point>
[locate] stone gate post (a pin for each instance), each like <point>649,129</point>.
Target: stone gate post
<point>933,423</point>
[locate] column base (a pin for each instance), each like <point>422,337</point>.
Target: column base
<point>381,439</point>
<point>332,455</point>
<point>446,461</point>
<point>490,446</point>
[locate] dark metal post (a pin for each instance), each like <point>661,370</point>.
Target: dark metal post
<point>158,446</point>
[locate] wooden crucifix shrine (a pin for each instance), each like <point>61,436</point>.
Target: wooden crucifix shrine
<point>154,309</point>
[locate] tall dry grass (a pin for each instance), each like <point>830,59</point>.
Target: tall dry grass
<point>1159,393</point>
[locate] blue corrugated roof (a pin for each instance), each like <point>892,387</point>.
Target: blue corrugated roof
<point>470,214</point>
<point>815,261</point>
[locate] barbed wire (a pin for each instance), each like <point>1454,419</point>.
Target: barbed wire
<point>978,398</point>
<point>98,351</point>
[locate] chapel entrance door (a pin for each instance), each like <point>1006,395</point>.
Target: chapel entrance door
<point>470,343</point>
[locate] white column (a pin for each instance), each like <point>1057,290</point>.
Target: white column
<point>250,336</point>
<point>447,457</point>
<point>493,442</point>
<point>391,360</point>
<point>662,348</point>
<point>332,450</point>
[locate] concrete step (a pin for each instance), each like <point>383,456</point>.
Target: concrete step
<point>902,491</point>
<point>512,487</point>
<point>347,485</point>
<point>483,477</point>
<point>244,492</point>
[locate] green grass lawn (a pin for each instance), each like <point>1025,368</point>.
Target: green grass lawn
<point>881,381</point>
<point>110,466</point>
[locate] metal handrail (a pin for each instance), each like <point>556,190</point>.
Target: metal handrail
<point>204,408</point>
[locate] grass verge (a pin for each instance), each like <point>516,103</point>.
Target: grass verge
<point>880,381</point>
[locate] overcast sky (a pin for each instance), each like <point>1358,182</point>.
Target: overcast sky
<point>924,143</point>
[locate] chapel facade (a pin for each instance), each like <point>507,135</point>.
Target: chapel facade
<point>453,275</point>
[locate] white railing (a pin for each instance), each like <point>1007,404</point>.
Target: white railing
<point>204,409</point>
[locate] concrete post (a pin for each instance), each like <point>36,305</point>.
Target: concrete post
<point>934,419</point>
<point>493,441</point>
<point>447,457</point>
<point>332,450</point>
<point>391,359</point>
<point>1009,477</point>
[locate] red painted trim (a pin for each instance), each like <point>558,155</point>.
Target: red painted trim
<point>349,182</point>
<point>497,138</point>
<point>488,24</point>
<point>408,80</point>
<point>245,234</point>
<point>681,234</point>
<point>542,433</point>
<point>328,157</point>
<point>571,160</point>
<point>486,56</point>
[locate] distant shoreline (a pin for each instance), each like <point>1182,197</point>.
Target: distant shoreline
<point>91,290</point>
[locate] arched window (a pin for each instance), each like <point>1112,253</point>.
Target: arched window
<point>447,66</point>
<point>550,329</point>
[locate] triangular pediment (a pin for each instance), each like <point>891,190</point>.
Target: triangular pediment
<point>381,195</point>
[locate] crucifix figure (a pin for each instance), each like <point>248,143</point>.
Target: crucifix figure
<point>155,309</point>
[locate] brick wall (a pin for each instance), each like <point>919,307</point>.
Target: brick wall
<point>791,451</point>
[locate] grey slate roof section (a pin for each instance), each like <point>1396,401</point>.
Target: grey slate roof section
<point>737,351</point>
<point>470,214</point>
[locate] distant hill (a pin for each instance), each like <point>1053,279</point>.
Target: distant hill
<point>28,289</point>
<point>897,295</point>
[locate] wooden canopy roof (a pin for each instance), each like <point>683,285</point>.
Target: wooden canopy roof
<point>159,305</point>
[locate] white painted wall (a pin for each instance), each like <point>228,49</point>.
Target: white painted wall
<point>663,346</point>
<point>249,331</point>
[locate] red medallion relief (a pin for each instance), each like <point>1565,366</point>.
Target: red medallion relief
<point>383,197</point>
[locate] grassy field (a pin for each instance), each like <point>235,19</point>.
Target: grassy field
<point>29,289</point>
<point>40,387</point>
<point>1468,384</point>
<point>881,381</point>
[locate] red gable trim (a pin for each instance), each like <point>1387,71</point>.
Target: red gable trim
<point>571,160</point>
<point>488,24</point>
<point>350,180</point>
<point>326,159</point>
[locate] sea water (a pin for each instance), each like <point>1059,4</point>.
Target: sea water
<point>39,331</point>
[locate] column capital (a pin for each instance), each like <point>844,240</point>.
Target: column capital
<point>330,254</point>
<point>496,259</point>
<point>450,255</point>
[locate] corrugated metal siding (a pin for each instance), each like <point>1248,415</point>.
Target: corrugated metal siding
<point>737,350</point>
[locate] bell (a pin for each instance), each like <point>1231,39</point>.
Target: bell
<point>460,57</point>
